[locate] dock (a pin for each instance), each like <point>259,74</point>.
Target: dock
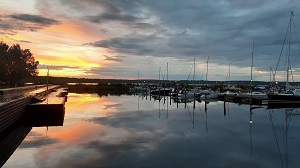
<point>243,99</point>
<point>275,104</point>
<point>50,111</point>
<point>14,102</point>
<point>24,108</point>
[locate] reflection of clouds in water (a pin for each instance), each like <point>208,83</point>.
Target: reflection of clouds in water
<point>140,138</point>
<point>108,106</point>
<point>35,140</point>
<point>171,144</point>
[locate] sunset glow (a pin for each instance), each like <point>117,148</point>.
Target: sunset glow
<point>112,39</point>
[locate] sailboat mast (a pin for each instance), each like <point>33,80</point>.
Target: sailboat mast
<point>159,76</point>
<point>289,52</point>
<point>194,75</point>
<point>207,69</point>
<point>167,71</point>
<point>47,76</point>
<point>251,68</point>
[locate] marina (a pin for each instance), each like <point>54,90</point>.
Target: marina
<point>127,130</point>
<point>146,84</point>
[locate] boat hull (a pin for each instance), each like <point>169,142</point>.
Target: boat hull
<point>288,97</point>
<point>161,92</point>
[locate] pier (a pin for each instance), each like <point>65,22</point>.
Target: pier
<point>27,107</point>
<point>14,101</point>
<point>243,99</point>
<point>34,100</point>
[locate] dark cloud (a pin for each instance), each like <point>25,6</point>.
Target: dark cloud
<point>34,19</point>
<point>11,24</point>
<point>223,30</point>
<point>106,17</point>
<point>136,46</point>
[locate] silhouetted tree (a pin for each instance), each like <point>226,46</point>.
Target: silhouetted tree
<point>16,64</point>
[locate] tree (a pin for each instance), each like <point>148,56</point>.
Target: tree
<point>16,63</point>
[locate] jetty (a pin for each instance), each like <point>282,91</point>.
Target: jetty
<point>26,107</point>
<point>38,100</point>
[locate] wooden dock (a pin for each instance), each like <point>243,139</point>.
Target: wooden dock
<point>12,110</point>
<point>14,102</point>
<point>49,112</point>
<point>11,138</point>
<point>19,115</point>
<point>243,99</point>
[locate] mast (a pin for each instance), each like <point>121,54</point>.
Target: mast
<point>47,76</point>
<point>289,52</point>
<point>251,68</point>
<point>207,69</point>
<point>167,71</point>
<point>159,75</point>
<point>194,76</point>
<point>228,76</point>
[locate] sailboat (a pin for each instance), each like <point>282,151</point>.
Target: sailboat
<point>208,93</point>
<point>228,92</point>
<point>190,94</point>
<point>161,91</point>
<point>292,93</point>
<point>251,93</point>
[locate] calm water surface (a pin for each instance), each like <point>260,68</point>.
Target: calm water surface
<point>136,131</point>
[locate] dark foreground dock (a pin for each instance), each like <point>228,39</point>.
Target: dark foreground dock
<point>18,115</point>
<point>13,102</point>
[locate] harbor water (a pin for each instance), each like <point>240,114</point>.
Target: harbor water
<point>140,131</point>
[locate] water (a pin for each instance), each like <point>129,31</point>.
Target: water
<point>136,131</point>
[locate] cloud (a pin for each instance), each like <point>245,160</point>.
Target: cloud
<point>34,19</point>
<point>56,67</point>
<point>222,30</point>
<point>11,24</point>
<point>101,18</point>
<point>35,140</point>
<point>113,58</point>
<point>109,106</point>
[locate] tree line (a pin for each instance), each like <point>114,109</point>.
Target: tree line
<point>16,64</point>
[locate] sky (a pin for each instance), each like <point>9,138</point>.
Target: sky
<point>143,39</point>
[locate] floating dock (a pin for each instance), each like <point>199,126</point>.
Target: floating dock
<point>243,99</point>
<point>49,112</point>
<point>19,115</point>
<point>14,102</point>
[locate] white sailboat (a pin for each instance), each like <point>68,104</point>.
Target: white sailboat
<point>190,94</point>
<point>228,92</point>
<point>208,93</point>
<point>292,93</point>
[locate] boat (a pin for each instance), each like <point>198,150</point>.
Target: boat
<point>292,93</point>
<point>190,94</point>
<point>252,94</point>
<point>209,94</point>
<point>228,88</point>
<point>161,91</point>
